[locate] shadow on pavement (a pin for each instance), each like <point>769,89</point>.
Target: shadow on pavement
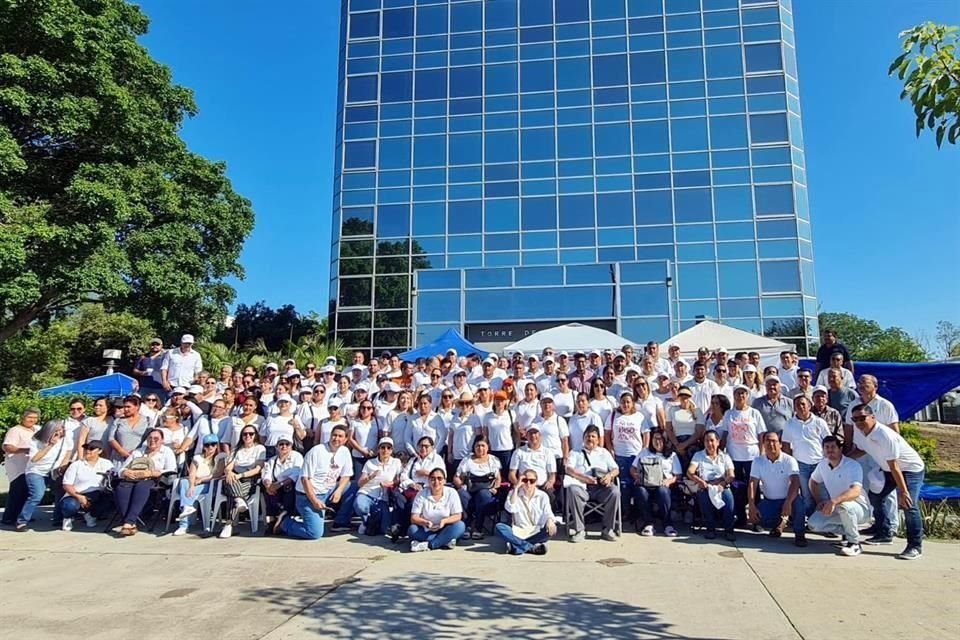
<point>426,605</point>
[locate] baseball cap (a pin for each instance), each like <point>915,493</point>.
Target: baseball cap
<point>684,391</point>
<point>195,388</point>
<point>742,387</point>
<point>533,427</point>
<point>272,365</point>
<point>391,387</point>
<point>181,390</point>
<point>548,359</point>
<point>284,439</point>
<point>595,352</point>
<point>749,369</point>
<point>156,341</point>
<point>820,389</point>
<point>293,372</point>
<point>93,444</point>
<point>289,361</point>
<point>500,395</point>
<point>319,385</point>
<point>490,360</point>
<point>483,385</point>
<point>771,379</point>
<point>304,390</point>
<point>546,398</point>
<point>186,339</point>
<point>211,439</point>
<point>385,440</point>
<point>335,402</point>
<point>284,397</point>
<point>534,356</point>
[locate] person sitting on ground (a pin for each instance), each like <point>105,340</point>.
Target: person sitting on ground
<point>777,475</point>
<point>379,476</point>
<point>240,475</point>
<point>280,476</point>
<point>712,471</point>
<point>50,451</point>
<point>84,486</point>
<point>534,456</point>
<point>844,508</point>
<point>655,470</point>
<point>139,474</point>
<point>324,480</point>
<point>205,467</point>
<point>436,518</point>
<point>477,482</point>
<point>591,475</point>
<point>533,522</point>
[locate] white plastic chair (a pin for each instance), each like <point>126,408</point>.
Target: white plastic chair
<point>204,505</point>
<point>255,506</point>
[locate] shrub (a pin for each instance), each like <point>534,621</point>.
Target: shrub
<point>926,447</point>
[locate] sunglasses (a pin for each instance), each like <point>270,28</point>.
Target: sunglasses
<point>386,446</point>
<point>437,478</point>
<point>76,408</point>
<point>283,444</point>
<point>447,397</point>
<point>859,418</point>
<point>434,375</point>
<point>561,379</point>
<point>153,399</point>
<point>209,444</point>
<point>529,481</point>
<point>246,434</point>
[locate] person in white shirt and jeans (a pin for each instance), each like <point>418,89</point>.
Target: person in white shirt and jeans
<point>533,521</point>
<point>845,507</point>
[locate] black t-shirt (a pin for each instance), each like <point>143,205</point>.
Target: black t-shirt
<point>825,352</point>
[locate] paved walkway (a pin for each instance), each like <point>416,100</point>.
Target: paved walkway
<point>346,587</point>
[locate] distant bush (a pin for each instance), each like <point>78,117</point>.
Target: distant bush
<point>926,447</point>
<point>16,402</point>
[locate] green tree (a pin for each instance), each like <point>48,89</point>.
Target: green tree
<point>271,326</point>
<point>930,69</point>
<point>100,199</point>
<point>867,340</point>
<point>948,338</point>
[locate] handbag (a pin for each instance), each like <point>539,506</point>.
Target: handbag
<point>651,473</point>
<point>476,482</point>
<point>56,474</point>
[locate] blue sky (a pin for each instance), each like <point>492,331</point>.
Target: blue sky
<point>884,204</point>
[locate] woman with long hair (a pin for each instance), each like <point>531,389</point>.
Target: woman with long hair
<point>477,481</point>
<point>50,451</point>
<point>654,471</point>
<point>241,474</point>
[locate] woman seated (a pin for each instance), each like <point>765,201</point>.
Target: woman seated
<point>50,451</point>
<point>477,481</point>
<point>712,471</point>
<point>436,517</point>
<point>592,476</point>
<point>204,469</point>
<point>532,523</point>
<point>414,479</point>
<point>654,471</point>
<point>240,475</point>
<point>138,475</point>
<point>280,476</point>
<point>377,479</point>
<point>175,436</point>
<point>84,486</point>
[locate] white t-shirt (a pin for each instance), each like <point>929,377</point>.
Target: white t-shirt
<point>846,378</point>
<point>788,377</point>
<point>711,469</point>
<point>744,429</point>
<point>577,424</point>
<point>324,468</point>
<point>276,427</point>
<point>703,392</point>
<point>883,411</point>
<point>600,461</point>
<point>366,434</point>
<point>499,431</point>
<point>540,460</point>
<point>526,413</point>
<point>533,512</point>
<point>421,426</point>
<point>553,430</point>
<point>806,438</point>
<point>627,432</point>
<point>885,444</point>
<point>384,473</point>
<point>85,477</point>
<point>774,476</point>
<point>603,408</point>
<point>684,421</point>
<point>464,431</point>
<point>436,509</point>
<point>53,456</point>
<point>415,464</point>
<point>564,402</point>
<point>836,480</point>
<point>651,408</point>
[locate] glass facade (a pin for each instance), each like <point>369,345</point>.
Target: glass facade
<point>507,161</point>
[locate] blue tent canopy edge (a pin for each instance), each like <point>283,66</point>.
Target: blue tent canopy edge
<point>449,339</point>
<point>114,384</point>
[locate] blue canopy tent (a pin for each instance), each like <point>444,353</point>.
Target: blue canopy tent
<point>910,386</point>
<point>114,384</point>
<point>450,339</point>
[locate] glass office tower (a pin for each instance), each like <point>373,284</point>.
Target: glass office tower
<point>507,165</point>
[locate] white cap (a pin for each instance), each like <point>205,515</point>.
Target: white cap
<point>181,390</point>
<point>272,365</point>
<point>304,390</point>
<point>749,368</point>
<point>672,345</point>
<point>742,387</point>
<point>721,350</point>
<point>483,385</point>
<point>534,356</point>
<point>546,397</point>
<point>451,351</point>
<point>195,388</point>
<point>335,402</point>
<point>186,339</point>
<point>385,440</point>
<point>548,359</point>
<point>820,388</point>
<point>284,397</point>
<point>391,387</point>
<point>328,369</point>
<point>771,379</point>
<point>595,352</point>
<point>331,360</point>
<point>491,359</point>
<point>293,372</point>
<point>319,385</point>
<point>563,354</point>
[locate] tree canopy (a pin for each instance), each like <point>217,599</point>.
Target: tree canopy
<point>273,326</point>
<point>930,69</point>
<point>100,199</point>
<point>867,340</point>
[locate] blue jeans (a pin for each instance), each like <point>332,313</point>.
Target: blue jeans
<point>646,497</point>
<point>36,487</point>
<point>374,512</point>
<point>312,526</point>
<point>770,511</point>
<point>806,470</point>
<point>476,506</point>
<point>70,506</point>
<point>626,482</point>
<point>189,501</point>
<point>520,546</point>
<point>710,512</point>
<point>912,518</point>
<point>437,539</point>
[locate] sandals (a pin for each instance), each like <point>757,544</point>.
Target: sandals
<point>128,530</point>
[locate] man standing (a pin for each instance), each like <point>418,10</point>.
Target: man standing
<point>830,347</point>
<point>802,438</point>
<point>703,388</point>
<point>776,474</point>
<point>844,508</point>
<point>830,415</point>
<point>147,369</point>
<point>839,395</point>
<point>903,470</point>
<point>324,479</point>
<point>661,364</point>
<point>180,366</point>
<point>774,408</point>
<point>882,408</point>
<point>804,386</point>
<point>581,377</point>
<point>787,370</point>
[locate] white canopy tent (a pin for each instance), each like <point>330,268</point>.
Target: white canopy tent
<point>712,335</point>
<point>569,337</point>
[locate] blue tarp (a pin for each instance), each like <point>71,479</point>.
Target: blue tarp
<point>909,386</point>
<point>450,339</point>
<point>114,384</point>
<point>936,492</point>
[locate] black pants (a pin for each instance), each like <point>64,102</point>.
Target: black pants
<point>16,497</point>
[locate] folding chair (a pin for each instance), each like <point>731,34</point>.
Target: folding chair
<point>589,509</point>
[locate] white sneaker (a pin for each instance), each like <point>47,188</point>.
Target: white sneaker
<point>186,512</point>
<point>67,524</point>
<point>647,530</point>
<point>609,535</point>
<point>226,532</point>
<point>416,546</point>
<point>851,549</point>
<point>579,536</point>
<point>452,544</point>
<point>240,504</point>
<point>670,532</point>
<point>90,520</point>
<point>181,530</point>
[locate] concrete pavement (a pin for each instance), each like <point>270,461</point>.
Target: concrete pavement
<point>92,584</point>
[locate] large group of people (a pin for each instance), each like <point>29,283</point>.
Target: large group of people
<point>447,448</point>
